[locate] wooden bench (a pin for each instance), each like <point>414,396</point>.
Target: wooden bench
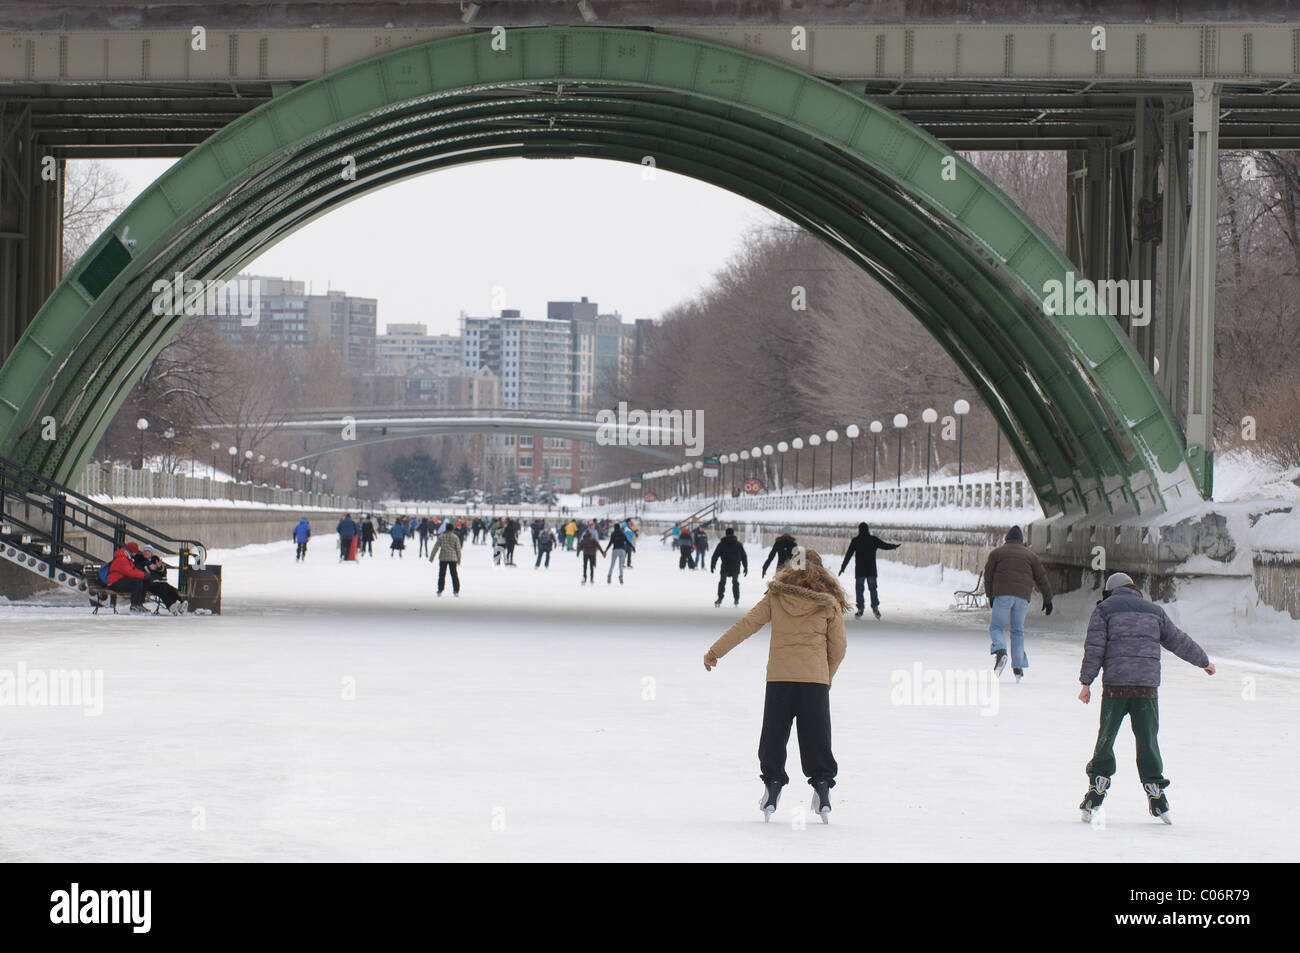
<point>971,598</point>
<point>101,595</point>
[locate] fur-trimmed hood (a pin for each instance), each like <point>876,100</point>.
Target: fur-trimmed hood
<point>799,601</point>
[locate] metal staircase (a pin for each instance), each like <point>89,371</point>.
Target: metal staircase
<point>705,516</point>
<point>53,531</point>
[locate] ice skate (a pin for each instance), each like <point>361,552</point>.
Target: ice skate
<point>1157,802</point>
<point>821,801</point>
<point>999,662</point>
<point>875,611</point>
<point>767,804</point>
<point>1092,800</point>
<point>858,614</point>
<point>1019,673</point>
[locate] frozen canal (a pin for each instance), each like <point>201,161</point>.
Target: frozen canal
<point>341,712</point>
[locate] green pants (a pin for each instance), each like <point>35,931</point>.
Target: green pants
<point>1144,717</point>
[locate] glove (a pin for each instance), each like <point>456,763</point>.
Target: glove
<point>746,572</point>
<point>1047,607</point>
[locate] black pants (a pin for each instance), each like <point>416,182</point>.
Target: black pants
<point>735,585</point>
<point>588,563</point>
<point>164,591</point>
<point>871,584</point>
<point>442,577</point>
<point>302,551</point>
<point>345,546</point>
<point>811,704</point>
<point>686,562</point>
<point>366,546</point>
<point>510,553</point>
<point>134,586</point>
<point>540,554</point>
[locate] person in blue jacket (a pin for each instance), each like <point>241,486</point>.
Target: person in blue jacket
<point>398,532</point>
<point>301,533</point>
<point>347,530</point>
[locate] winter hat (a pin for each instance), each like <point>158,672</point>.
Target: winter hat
<point>731,531</point>
<point>132,548</point>
<point>1118,579</point>
<point>1016,534</point>
<point>787,530</point>
<point>864,528</point>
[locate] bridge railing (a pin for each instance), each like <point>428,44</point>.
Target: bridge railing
<point>128,483</point>
<point>1014,494</point>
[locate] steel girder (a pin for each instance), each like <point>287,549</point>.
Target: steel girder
<point>1085,418</point>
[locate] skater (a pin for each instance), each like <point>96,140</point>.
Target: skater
<point>630,528</point>
<point>511,536</point>
<point>732,553</point>
<point>863,550</point>
<point>476,527</point>
<point>156,584</point>
<point>806,607</point>
<point>588,547</point>
<point>782,547</point>
<point>367,545</point>
<point>447,548</point>
<point>1010,574</point>
<point>701,540</point>
<point>498,543</point>
<point>301,533</point>
<point>1125,635</point>
<point>125,576</point>
<point>347,531</point>
<point>619,549</point>
<point>686,547</point>
<point>424,529</point>
<point>545,543</point>
<point>398,533</point>
<point>570,534</point>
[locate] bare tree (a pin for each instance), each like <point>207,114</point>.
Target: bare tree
<point>93,195</point>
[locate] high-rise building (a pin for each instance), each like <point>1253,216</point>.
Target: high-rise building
<point>532,357</point>
<point>406,347</point>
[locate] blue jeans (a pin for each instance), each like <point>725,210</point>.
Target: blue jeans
<point>1011,609</point>
<point>871,584</point>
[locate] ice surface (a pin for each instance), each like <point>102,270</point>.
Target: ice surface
<point>537,719</point>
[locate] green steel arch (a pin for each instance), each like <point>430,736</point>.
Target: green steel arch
<point>1084,417</point>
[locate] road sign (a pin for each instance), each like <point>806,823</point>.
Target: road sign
<point>752,486</point>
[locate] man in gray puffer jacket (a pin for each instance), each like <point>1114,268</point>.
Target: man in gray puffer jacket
<point>1125,635</point>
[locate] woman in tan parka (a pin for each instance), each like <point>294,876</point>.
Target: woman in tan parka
<point>806,607</point>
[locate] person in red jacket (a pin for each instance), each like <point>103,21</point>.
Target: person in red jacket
<point>125,576</point>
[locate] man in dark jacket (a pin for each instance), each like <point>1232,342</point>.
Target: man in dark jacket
<point>686,548</point>
<point>545,543</point>
<point>587,549</point>
<point>701,540</point>
<point>1010,575</point>
<point>1125,635</point>
<point>732,554</point>
<point>347,530</point>
<point>781,549</point>
<point>511,535</point>
<point>862,548</point>
<point>367,543</point>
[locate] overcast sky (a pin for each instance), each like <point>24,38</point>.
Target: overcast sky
<point>542,230</point>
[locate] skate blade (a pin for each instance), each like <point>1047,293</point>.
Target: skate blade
<point>1085,815</point>
<point>1166,819</point>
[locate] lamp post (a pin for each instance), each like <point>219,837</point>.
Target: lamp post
<point>782,447</point>
<point>797,443</point>
<point>876,428</point>
<point>756,454</point>
<point>142,425</point>
<point>997,442</point>
<point>900,421</point>
<point>831,437</point>
<point>852,432</point>
<point>744,467</point>
<point>768,450</point>
<point>814,441</point>
<point>234,464</point>
<point>961,408</point>
<point>929,415</point>
<point>699,478</point>
<point>248,458</point>
<point>275,471</point>
<point>170,436</point>
<point>734,458</point>
<point>261,462</point>
<point>216,445</point>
